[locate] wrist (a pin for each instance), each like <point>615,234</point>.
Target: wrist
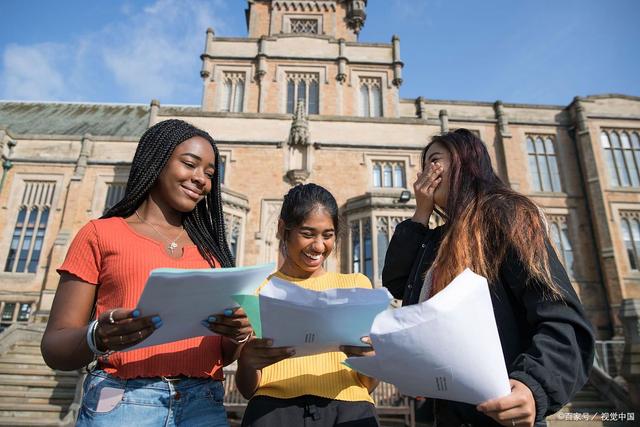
<point>421,218</point>
<point>241,341</point>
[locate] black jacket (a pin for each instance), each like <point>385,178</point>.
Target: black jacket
<point>547,345</point>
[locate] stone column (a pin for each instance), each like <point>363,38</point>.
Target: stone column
<point>153,112</point>
<point>444,121</point>
<point>503,139</point>
<point>630,318</point>
<point>261,72</point>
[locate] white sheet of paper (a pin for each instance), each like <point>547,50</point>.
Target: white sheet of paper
<point>184,298</point>
<point>447,347</point>
<point>317,322</point>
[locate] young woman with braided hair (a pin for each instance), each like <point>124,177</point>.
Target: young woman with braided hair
<point>170,216</point>
<point>547,342</point>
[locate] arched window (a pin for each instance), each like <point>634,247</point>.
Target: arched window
<point>622,156</point>
<point>370,97</point>
<point>304,86</point>
<point>233,92</point>
<point>30,228</point>
<point>543,165</point>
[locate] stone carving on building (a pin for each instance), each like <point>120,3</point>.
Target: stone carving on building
<point>356,14</point>
<point>298,167</point>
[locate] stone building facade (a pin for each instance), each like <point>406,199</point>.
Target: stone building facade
<point>300,99</point>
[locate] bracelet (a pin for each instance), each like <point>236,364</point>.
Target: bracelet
<point>91,339</point>
<point>243,340</point>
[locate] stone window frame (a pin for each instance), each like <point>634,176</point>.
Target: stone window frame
<point>369,159</point>
<point>360,74</point>
<point>229,94</point>
<point>101,189</point>
<point>229,158</point>
<point>370,83</point>
<point>559,225</point>
<point>621,163</point>
<point>549,164</point>
<point>13,207</point>
<point>372,217</point>
<point>297,79</point>
<point>630,218</point>
<point>16,312</point>
<point>288,17</point>
<point>218,76</point>
<point>281,79</point>
<point>235,225</point>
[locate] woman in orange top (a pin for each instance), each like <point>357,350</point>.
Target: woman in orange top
<point>170,216</point>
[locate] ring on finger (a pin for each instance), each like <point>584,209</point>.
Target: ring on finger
<point>111,319</point>
<point>513,422</point>
<point>140,334</point>
<point>121,339</point>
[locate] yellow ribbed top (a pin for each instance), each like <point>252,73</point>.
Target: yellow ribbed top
<point>323,374</point>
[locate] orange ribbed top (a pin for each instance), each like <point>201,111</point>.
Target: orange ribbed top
<point>110,254</point>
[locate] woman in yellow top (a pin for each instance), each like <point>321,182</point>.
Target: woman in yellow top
<point>316,390</point>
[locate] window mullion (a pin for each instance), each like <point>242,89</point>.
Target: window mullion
<point>23,231</point>
<point>36,225</point>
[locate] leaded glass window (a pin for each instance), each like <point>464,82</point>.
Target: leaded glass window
<point>543,164</point>
<point>560,236</point>
<point>361,247</point>
<point>115,193</point>
<point>303,86</point>
<point>233,92</point>
<point>29,231</point>
<point>25,312</point>
<point>630,225</point>
<point>304,26</point>
<point>388,174</point>
<point>622,156</point>
<point>370,97</point>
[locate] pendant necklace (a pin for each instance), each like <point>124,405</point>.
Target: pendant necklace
<point>173,243</point>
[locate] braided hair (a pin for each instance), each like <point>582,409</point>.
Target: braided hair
<point>205,223</point>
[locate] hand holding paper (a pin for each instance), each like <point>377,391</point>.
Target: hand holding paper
<point>447,347</point>
<point>183,298</point>
<point>313,322</point>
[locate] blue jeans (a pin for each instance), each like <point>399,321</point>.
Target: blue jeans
<point>110,401</point>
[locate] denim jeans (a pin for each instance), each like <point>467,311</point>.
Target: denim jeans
<point>110,401</point>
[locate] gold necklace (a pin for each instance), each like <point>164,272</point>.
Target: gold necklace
<point>172,245</point>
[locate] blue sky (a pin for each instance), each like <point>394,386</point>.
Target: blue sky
<point>542,51</point>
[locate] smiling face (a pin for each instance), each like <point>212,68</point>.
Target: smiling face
<point>187,177</point>
<point>438,153</point>
<point>308,245</point>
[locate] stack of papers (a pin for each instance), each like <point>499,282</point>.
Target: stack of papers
<point>183,298</point>
<point>448,347</point>
<point>313,322</point>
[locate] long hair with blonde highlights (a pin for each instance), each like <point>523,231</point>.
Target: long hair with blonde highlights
<point>485,219</point>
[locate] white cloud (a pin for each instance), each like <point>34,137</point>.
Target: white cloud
<point>156,53</point>
<point>33,72</point>
<point>152,52</point>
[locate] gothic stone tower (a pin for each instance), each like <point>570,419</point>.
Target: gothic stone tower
<point>304,49</point>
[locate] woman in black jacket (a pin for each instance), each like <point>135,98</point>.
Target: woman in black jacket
<point>547,342</point>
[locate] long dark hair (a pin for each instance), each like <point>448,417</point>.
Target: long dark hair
<point>205,223</point>
<point>303,199</point>
<point>485,218</point>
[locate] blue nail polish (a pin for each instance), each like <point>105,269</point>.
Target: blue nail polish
<point>158,325</point>
<point>136,313</point>
<point>228,312</point>
<point>211,319</point>
<point>205,323</point>
<point>156,319</point>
